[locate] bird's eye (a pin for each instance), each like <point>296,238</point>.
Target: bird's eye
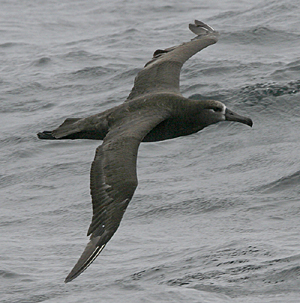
<point>217,109</point>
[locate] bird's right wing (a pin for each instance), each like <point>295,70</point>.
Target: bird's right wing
<point>114,180</point>
<point>162,73</point>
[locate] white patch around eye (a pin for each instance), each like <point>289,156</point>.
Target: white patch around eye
<point>224,110</point>
<point>221,112</point>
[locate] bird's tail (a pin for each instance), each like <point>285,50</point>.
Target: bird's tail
<point>68,127</point>
<point>68,130</point>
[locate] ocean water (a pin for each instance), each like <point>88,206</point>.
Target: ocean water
<point>216,215</point>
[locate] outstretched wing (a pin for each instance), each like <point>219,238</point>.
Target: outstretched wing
<point>162,73</point>
<point>114,180</point>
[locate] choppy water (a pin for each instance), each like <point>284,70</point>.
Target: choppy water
<point>216,215</point>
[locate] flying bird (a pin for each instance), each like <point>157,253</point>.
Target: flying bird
<point>155,110</point>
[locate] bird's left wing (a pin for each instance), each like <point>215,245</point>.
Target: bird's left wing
<point>162,73</point>
<point>114,180</point>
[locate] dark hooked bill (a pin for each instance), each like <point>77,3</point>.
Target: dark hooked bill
<point>232,116</point>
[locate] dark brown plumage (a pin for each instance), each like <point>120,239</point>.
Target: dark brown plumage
<point>154,110</point>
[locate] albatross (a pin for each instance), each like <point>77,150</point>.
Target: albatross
<point>155,110</point>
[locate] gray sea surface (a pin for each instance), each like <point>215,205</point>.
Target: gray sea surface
<point>216,215</point>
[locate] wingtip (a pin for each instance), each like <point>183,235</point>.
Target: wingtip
<point>202,24</point>
<point>71,277</point>
<point>88,256</point>
<point>68,279</point>
<point>201,29</point>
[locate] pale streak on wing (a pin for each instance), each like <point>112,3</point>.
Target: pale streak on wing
<point>162,73</point>
<point>114,180</point>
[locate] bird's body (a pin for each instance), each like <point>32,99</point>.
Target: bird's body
<point>183,117</point>
<point>155,110</point>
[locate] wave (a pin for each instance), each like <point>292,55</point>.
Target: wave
<point>263,94</point>
<point>247,270</point>
<point>8,274</point>
<point>12,44</point>
<point>92,71</point>
<point>41,62</point>
<point>81,54</point>
<point>262,35</point>
<point>260,91</point>
<point>288,182</point>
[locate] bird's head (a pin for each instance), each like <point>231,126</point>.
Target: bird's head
<point>217,111</point>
